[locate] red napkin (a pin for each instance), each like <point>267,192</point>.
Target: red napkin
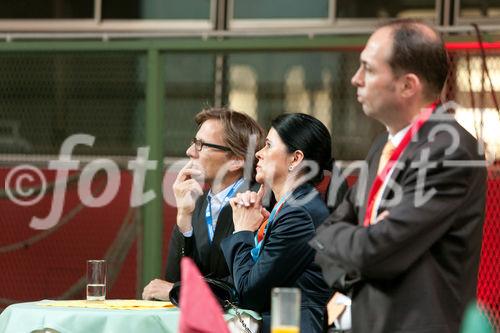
<point>200,311</point>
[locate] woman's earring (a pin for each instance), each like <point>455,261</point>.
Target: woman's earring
<point>290,168</point>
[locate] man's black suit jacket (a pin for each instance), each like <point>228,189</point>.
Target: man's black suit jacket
<point>207,256</point>
<point>415,270</point>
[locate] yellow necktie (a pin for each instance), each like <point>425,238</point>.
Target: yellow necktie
<point>386,154</point>
<point>384,158</point>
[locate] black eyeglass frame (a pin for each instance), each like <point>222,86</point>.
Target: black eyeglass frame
<point>198,145</point>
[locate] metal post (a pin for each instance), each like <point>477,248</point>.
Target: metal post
<point>152,236</point>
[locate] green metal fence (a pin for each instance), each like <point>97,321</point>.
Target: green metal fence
<point>145,92</point>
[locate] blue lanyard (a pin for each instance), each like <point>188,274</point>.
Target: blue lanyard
<point>255,252</point>
<point>208,212</point>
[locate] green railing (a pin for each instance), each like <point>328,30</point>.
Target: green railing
<point>153,49</point>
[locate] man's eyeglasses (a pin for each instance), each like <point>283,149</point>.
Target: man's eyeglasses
<point>198,145</point>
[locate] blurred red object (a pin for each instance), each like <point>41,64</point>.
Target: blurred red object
<point>200,311</point>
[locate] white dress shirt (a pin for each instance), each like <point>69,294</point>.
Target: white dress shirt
<point>216,203</point>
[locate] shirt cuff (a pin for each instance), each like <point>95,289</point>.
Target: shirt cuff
<point>188,233</point>
<point>344,320</point>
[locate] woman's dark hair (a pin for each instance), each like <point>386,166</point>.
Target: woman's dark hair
<point>300,131</point>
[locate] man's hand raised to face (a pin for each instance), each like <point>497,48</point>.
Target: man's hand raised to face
<point>186,191</point>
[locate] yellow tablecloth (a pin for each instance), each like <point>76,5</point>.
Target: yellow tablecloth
<point>118,304</point>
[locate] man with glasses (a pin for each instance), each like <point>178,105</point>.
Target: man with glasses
<point>217,158</point>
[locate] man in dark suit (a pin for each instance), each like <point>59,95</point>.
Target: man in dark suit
<point>217,157</point>
<point>405,242</point>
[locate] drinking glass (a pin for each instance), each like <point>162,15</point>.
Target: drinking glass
<point>96,280</point>
<point>285,310</point>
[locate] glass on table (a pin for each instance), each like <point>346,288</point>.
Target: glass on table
<point>96,280</point>
<point>285,310</point>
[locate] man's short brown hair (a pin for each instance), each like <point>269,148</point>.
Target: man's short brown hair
<point>238,129</point>
<point>418,48</point>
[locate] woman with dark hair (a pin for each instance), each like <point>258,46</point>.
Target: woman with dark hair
<point>269,250</point>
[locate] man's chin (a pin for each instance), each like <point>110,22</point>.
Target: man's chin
<point>366,110</point>
<point>369,112</point>
<point>259,178</point>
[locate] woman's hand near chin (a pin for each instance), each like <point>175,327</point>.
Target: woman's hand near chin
<point>248,213</point>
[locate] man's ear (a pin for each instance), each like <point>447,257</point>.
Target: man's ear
<point>410,85</point>
<point>236,163</point>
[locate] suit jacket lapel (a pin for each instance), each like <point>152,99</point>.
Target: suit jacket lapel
<point>224,223</point>
<point>224,228</point>
<point>297,193</point>
<point>225,219</point>
<point>400,168</point>
<point>201,233</point>
<point>373,161</point>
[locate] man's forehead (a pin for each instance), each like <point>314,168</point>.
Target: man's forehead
<point>379,45</point>
<point>211,128</point>
<point>211,124</point>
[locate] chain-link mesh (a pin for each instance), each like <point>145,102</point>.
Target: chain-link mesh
<point>47,96</point>
<point>469,85</point>
<point>488,289</point>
